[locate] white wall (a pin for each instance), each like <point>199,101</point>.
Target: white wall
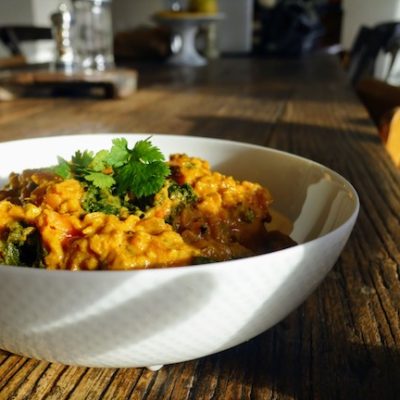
<point>15,12</point>
<point>41,10</point>
<point>366,12</point>
<point>36,12</point>
<point>29,12</point>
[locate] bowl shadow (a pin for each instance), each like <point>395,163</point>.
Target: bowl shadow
<point>281,363</point>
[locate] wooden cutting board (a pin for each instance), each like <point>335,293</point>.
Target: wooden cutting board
<point>116,83</point>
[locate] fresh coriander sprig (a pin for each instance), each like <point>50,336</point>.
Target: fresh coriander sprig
<point>140,171</point>
<point>85,167</point>
<point>144,171</point>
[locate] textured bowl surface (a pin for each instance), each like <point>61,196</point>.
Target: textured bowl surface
<point>154,317</point>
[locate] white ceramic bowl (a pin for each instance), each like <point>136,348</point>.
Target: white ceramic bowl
<point>161,316</point>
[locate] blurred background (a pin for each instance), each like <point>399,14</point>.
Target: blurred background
<point>365,34</point>
<point>249,25</point>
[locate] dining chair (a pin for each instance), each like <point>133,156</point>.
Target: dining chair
<point>12,36</point>
<point>378,97</point>
<point>367,46</point>
<point>382,101</point>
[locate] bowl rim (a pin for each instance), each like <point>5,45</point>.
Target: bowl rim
<point>202,267</point>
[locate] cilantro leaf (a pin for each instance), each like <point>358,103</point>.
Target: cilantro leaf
<point>119,153</point>
<point>99,162</point>
<point>145,172</point>
<point>142,179</point>
<point>146,153</point>
<point>63,168</point>
<point>100,180</point>
<point>128,173</point>
<point>79,164</point>
<point>82,160</point>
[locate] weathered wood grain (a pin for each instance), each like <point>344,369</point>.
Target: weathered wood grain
<point>344,341</point>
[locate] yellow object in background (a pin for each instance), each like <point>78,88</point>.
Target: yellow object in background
<point>204,6</point>
<point>393,139</point>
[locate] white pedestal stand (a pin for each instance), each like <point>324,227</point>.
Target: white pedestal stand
<point>186,27</point>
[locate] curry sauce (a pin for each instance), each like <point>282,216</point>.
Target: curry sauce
<point>197,216</point>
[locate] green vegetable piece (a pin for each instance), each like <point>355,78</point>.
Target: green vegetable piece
<point>145,172</point>
<point>183,193</point>
<point>119,153</point>
<point>100,180</point>
<point>198,260</point>
<point>12,254</point>
<point>139,172</point>
<point>63,168</point>
<point>81,160</point>
<point>12,249</point>
<point>99,162</point>
<point>146,152</point>
<point>101,200</point>
<point>248,215</point>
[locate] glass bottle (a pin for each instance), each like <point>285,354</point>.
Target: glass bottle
<point>94,34</point>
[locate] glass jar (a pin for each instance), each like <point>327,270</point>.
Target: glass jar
<point>94,34</point>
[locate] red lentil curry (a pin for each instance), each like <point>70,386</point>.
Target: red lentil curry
<point>129,208</point>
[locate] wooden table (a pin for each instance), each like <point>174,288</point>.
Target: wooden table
<point>344,341</point>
